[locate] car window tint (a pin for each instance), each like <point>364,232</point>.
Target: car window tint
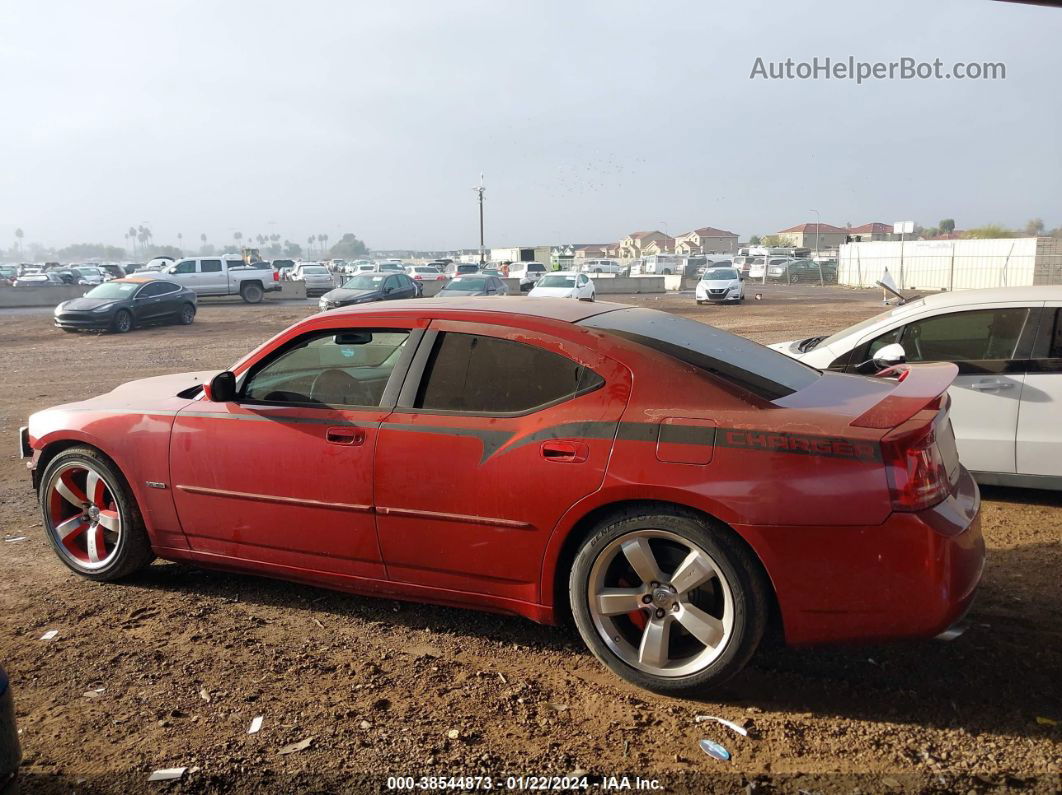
<point>740,361</point>
<point>474,373</point>
<point>187,266</point>
<point>153,288</point>
<point>329,369</point>
<point>965,336</point>
<point>1054,350</point>
<point>210,266</point>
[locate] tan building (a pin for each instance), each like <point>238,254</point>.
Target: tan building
<point>637,244</point>
<point>706,240</point>
<point>823,236</point>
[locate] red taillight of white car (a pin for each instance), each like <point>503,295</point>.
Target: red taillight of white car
<point>276,276</point>
<point>915,468</point>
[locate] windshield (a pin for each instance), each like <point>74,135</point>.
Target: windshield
<point>865,324</point>
<point>742,362</point>
<point>467,284</point>
<point>364,282</point>
<point>719,274</point>
<point>113,290</point>
<point>556,280</point>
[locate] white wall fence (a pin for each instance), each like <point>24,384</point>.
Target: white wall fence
<point>952,264</point>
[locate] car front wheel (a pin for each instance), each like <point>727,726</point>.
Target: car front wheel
<point>123,321</point>
<point>91,517</point>
<point>668,601</point>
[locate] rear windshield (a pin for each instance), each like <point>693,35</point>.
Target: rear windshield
<point>742,362</point>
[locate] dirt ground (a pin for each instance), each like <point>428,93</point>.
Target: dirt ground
<point>186,658</point>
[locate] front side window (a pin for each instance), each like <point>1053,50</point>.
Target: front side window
<point>155,288</point>
<point>478,374</point>
<point>333,368</point>
<point>983,334</point>
<point>186,266</point>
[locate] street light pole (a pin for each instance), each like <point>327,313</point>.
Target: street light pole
<point>480,190</point>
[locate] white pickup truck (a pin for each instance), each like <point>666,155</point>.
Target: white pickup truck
<point>219,276</point>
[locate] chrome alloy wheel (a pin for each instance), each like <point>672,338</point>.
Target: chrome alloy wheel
<point>82,516</point>
<point>660,603</point>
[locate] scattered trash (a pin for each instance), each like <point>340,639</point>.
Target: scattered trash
<point>556,707</point>
<point>15,538</point>
<point>302,745</point>
<point>729,724</point>
<point>51,633</point>
<point>318,623</point>
<point>203,694</point>
<point>715,750</point>
<point>256,724</point>
<point>501,676</point>
<point>453,734</point>
<point>365,725</point>
<point>1046,721</point>
<point>94,693</point>
<point>168,774</point>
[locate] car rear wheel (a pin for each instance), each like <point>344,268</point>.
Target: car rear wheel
<point>91,517</point>
<point>187,315</point>
<point>123,321</point>
<point>668,601</point>
<point>252,293</point>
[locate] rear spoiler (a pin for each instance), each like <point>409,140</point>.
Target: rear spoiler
<point>917,386</point>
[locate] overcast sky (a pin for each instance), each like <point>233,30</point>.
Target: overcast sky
<point>589,119</point>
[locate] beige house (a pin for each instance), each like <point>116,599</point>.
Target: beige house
<point>638,244</point>
<point>706,240</point>
<point>870,232</point>
<point>813,235</point>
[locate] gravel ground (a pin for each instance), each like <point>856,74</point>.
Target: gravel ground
<point>169,668</point>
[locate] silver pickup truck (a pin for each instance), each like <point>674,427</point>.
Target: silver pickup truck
<point>219,276</point>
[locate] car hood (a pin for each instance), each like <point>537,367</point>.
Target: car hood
<point>720,284</point>
<point>340,295</point>
<point>87,304</point>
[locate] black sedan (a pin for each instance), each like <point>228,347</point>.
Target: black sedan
<point>10,753</point>
<point>476,284</point>
<point>122,304</point>
<point>367,287</point>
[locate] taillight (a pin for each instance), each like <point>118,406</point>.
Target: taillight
<point>917,474</point>
<point>276,276</point>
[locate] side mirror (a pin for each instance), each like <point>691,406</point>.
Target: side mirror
<point>222,388</point>
<point>890,356</point>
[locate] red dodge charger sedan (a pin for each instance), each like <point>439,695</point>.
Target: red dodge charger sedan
<point>667,484</point>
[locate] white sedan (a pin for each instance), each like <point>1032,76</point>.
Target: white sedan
<point>720,285</point>
<point>1007,399</point>
<point>564,284</point>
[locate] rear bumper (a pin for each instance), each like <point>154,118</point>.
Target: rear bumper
<point>913,576</point>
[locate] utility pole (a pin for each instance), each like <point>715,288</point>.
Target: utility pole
<point>480,190</point>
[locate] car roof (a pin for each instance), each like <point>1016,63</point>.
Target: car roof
<point>562,309</point>
<point>1044,292</point>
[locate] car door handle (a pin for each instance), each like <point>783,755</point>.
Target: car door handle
<point>991,386</point>
<point>344,435</point>
<point>564,452</point>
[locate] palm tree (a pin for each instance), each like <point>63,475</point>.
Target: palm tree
<point>310,241</point>
<point>19,234</point>
<point>131,234</point>
<point>180,242</point>
<point>324,243</point>
<point>237,236</point>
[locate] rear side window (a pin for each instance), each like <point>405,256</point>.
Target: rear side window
<point>474,373</point>
<point>742,362</point>
<point>210,266</point>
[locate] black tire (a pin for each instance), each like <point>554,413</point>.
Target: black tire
<point>133,551</point>
<point>747,582</point>
<point>252,293</point>
<point>123,322</point>
<point>187,315</point>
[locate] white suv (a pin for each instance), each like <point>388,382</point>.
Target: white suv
<point>527,272</point>
<point>601,266</point>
